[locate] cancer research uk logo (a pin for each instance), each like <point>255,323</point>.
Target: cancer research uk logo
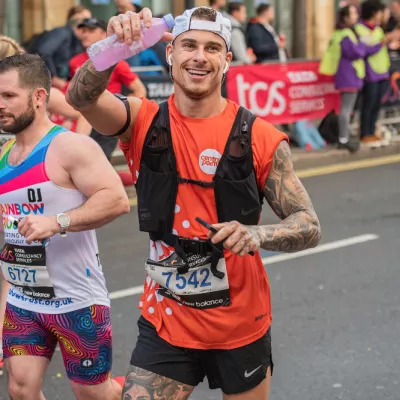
<point>209,160</point>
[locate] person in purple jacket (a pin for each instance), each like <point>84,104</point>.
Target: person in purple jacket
<point>377,67</point>
<point>344,59</point>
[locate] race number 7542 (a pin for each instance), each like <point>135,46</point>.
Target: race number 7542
<point>195,279</point>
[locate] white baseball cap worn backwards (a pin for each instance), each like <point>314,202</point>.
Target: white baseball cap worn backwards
<point>221,26</point>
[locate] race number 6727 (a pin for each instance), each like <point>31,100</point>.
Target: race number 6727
<point>24,275</point>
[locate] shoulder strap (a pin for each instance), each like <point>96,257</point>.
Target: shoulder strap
<point>163,117</point>
<point>242,125</point>
<point>247,121</point>
<point>159,139</point>
<point>160,122</point>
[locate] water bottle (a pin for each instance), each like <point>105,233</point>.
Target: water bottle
<point>109,51</point>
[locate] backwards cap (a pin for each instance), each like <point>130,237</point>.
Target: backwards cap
<point>221,26</point>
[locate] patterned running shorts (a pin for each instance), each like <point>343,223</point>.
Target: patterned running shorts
<point>84,336</point>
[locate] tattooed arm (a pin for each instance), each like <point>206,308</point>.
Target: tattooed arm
<point>87,91</point>
<point>106,114</point>
<point>299,228</point>
<point>144,385</point>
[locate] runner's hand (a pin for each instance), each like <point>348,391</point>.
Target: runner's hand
<point>38,227</point>
<point>239,239</point>
<point>127,26</point>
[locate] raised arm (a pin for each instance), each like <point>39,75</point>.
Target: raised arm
<point>87,91</point>
<point>105,113</point>
<point>299,228</point>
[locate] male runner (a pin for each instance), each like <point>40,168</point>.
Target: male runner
<point>206,307</point>
<point>55,189</point>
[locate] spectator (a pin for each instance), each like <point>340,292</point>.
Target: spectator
<point>128,5</point>
<point>262,37</point>
<point>238,15</point>
<point>59,45</point>
<point>217,5</point>
<point>377,68</point>
<point>394,20</point>
<point>92,31</point>
<point>345,60</point>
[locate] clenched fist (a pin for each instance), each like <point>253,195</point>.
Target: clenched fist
<point>38,227</point>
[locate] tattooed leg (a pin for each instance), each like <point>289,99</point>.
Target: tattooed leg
<point>145,385</point>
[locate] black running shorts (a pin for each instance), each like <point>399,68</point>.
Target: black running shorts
<point>233,371</point>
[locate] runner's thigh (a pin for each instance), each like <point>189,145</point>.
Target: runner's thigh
<point>159,369</point>
<point>85,338</point>
<point>26,333</point>
<point>28,347</point>
<point>142,384</point>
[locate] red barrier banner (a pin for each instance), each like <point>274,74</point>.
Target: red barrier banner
<point>283,93</point>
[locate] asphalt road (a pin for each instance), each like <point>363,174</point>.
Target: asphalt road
<point>336,322</point>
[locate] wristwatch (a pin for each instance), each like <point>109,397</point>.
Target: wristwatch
<point>64,221</point>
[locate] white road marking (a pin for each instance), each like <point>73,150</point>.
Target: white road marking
<point>120,294</point>
<point>320,249</point>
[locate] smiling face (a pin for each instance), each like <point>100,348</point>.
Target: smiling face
<point>198,61</point>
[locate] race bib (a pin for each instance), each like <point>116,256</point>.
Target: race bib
<point>198,288</point>
<point>25,268</point>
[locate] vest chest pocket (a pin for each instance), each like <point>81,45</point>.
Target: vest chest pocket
<point>246,207</point>
<point>156,213</point>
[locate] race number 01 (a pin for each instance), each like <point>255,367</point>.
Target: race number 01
<point>34,196</point>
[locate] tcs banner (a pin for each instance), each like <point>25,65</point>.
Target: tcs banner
<point>283,93</point>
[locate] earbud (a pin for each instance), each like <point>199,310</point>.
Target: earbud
<point>170,60</point>
<point>226,68</point>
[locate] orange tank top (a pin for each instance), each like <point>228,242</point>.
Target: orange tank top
<point>198,146</point>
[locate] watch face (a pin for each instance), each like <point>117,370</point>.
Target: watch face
<point>63,220</point>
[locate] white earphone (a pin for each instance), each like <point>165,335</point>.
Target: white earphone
<point>226,68</point>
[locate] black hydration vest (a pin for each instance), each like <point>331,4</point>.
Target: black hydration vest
<point>235,186</point>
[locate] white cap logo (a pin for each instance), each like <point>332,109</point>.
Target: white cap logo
<point>209,160</point>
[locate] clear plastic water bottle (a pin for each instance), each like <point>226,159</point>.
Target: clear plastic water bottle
<point>109,51</point>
